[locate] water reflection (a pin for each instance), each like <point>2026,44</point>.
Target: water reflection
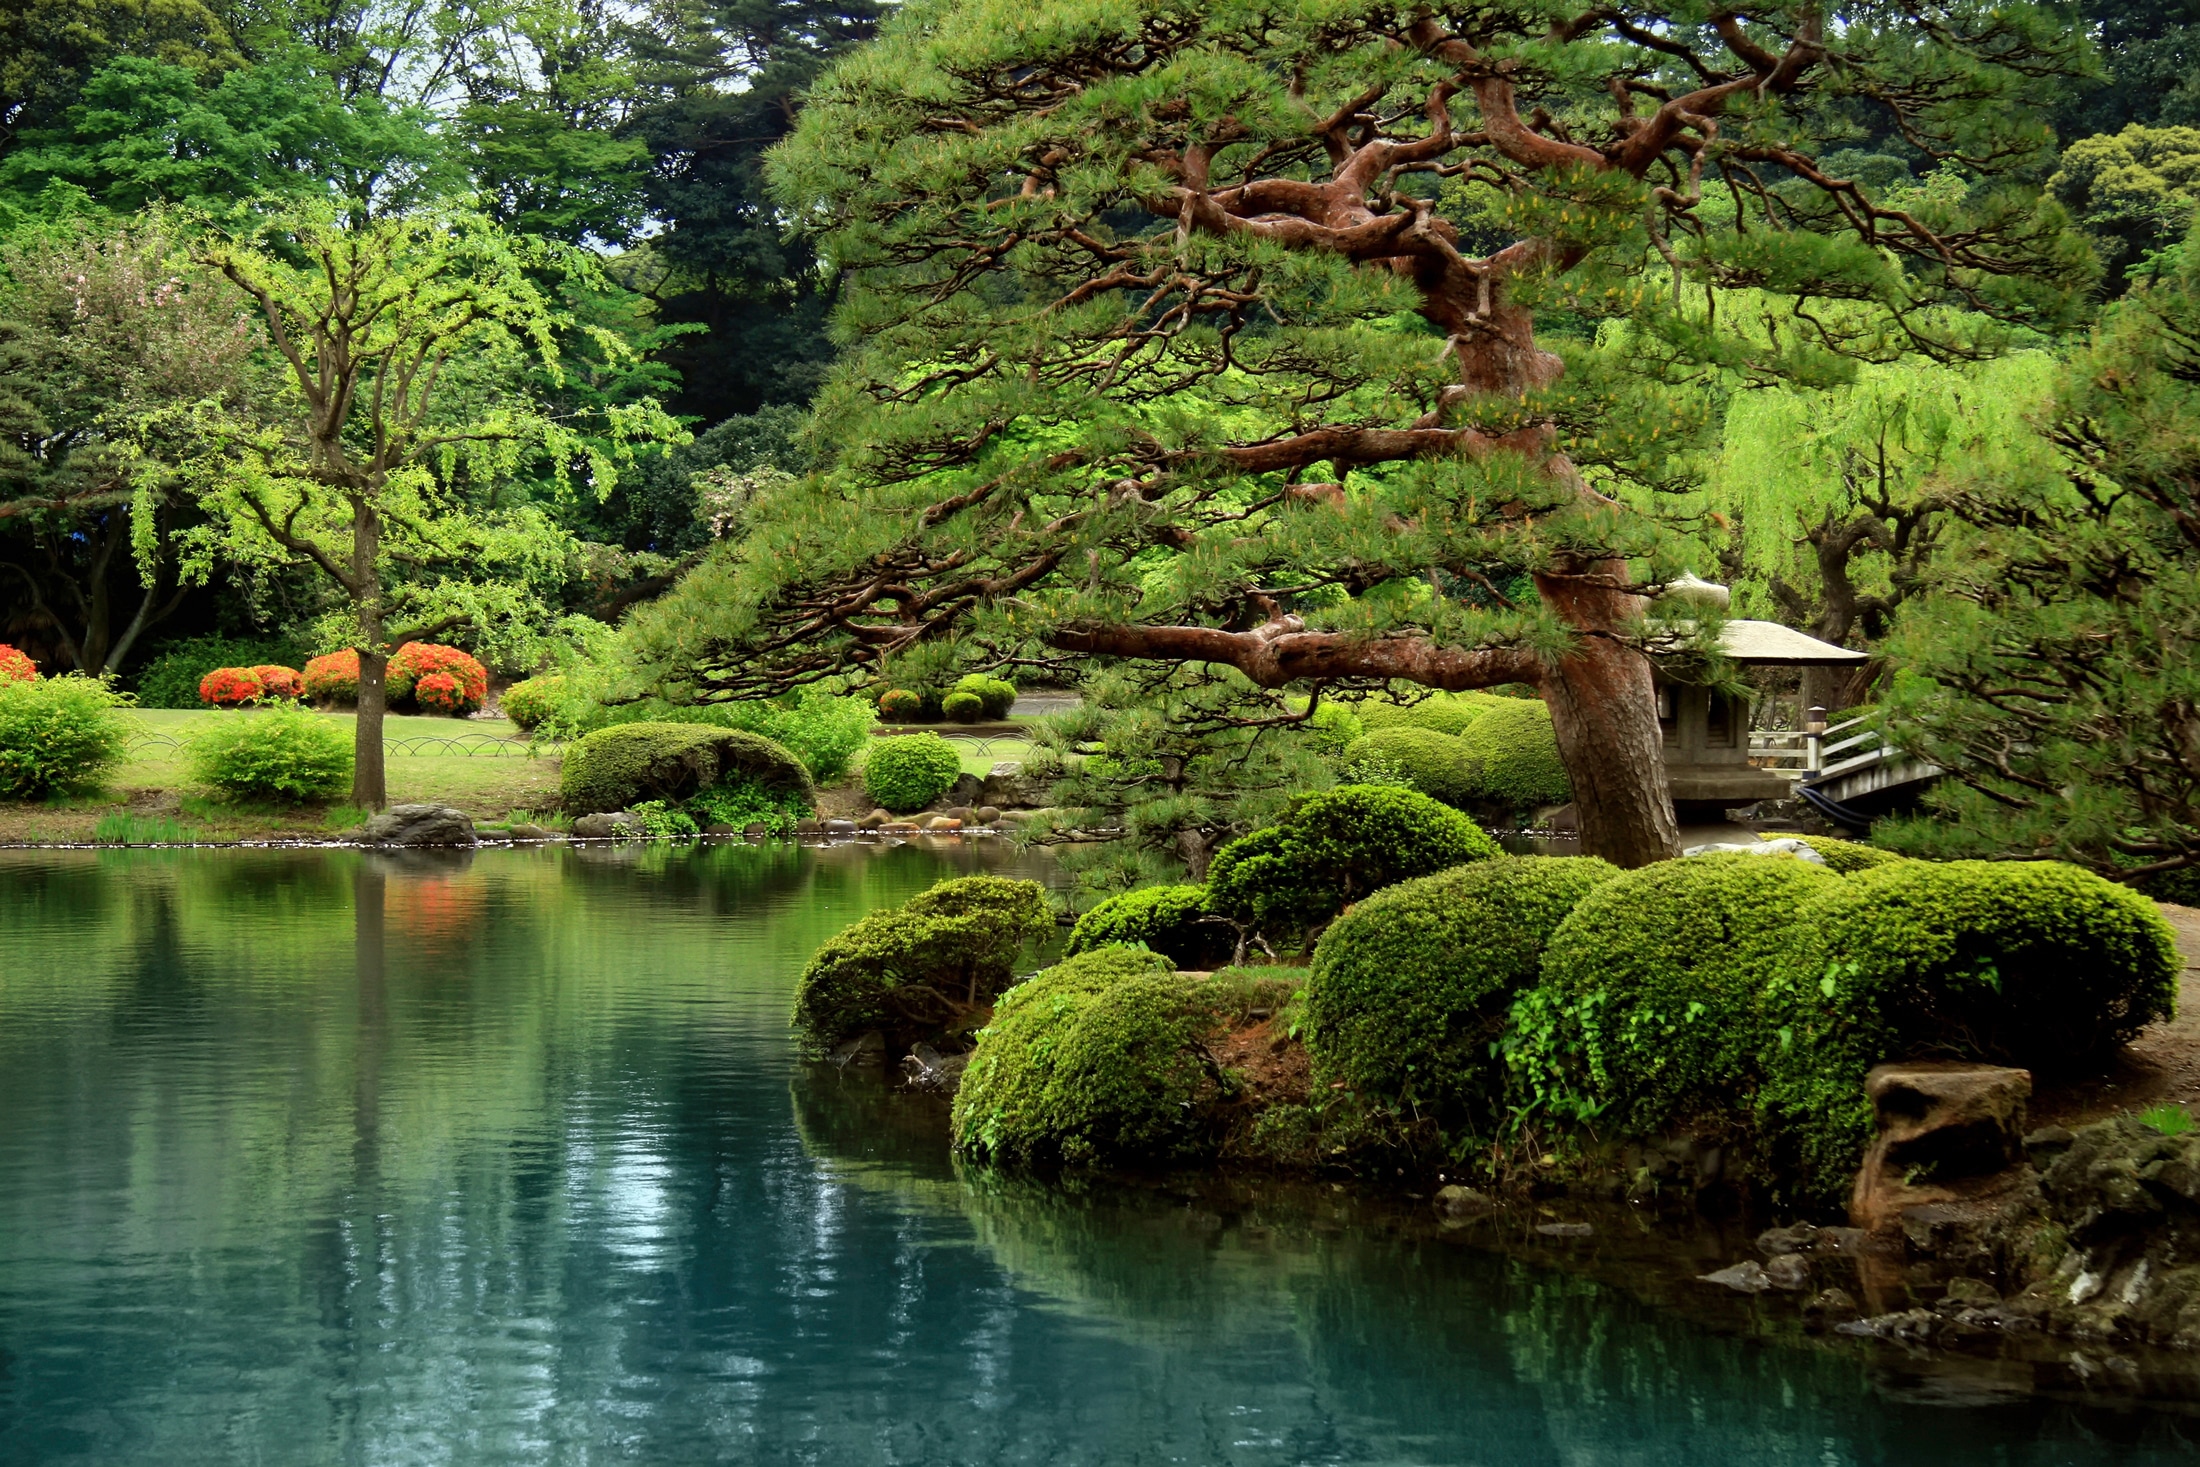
<point>324,1157</point>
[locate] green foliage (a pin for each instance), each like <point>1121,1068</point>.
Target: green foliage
<point>618,767</point>
<point>2167,1120</point>
<point>1171,920</point>
<point>900,704</point>
<point>1411,989</point>
<point>919,970</point>
<point>1434,763</point>
<point>1514,756</point>
<point>997,694</point>
<point>741,803</point>
<point>910,771</point>
<point>1444,713</point>
<point>529,702</point>
<point>2133,190</point>
<point>278,753</point>
<point>1649,1011</point>
<point>1096,1060</point>
<point>1334,848</point>
<point>662,820</point>
<point>59,734</point>
<point>171,679</point>
<point>1847,857</point>
<point>122,829</point>
<point>2035,964</point>
<point>2053,662</point>
<point>824,731</point>
<point>963,707</point>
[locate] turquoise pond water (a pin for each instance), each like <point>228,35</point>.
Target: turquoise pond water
<point>315,1157</point>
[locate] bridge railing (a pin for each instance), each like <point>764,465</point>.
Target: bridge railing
<point>1849,743</point>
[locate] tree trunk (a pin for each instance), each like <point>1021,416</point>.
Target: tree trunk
<point>367,787</point>
<point>1604,712</point>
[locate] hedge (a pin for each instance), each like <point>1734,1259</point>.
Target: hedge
<point>170,678</point>
<point>913,972</point>
<point>1513,755</point>
<point>1847,857</point>
<point>1334,848</point>
<point>1172,920</point>
<point>618,767</point>
<point>2034,964</point>
<point>1098,1059</point>
<point>529,702</point>
<point>997,695</point>
<point>1450,714</point>
<point>1435,763</point>
<point>1411,988</point>
<point>963,707</point>
<point>910,771</point>
<point>1649,1009</point>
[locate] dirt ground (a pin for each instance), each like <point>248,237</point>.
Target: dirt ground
<point>2162,1066</point>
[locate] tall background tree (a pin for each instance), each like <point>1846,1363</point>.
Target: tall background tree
<point>1217,334</point>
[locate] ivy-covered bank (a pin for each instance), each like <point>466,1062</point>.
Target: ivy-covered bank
<point>1429,1005</point>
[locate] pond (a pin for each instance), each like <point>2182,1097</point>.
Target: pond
<point>321,1157</point>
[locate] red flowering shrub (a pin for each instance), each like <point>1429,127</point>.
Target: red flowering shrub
<point>439,692</point>
<point>230,687</point>
<point>15,667</point>
<point>417,660</point>
<point>334,678</point>
<point>279,681</point>
<point>900,705</point>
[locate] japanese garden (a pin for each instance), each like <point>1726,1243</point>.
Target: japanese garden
<point>1099,731</point>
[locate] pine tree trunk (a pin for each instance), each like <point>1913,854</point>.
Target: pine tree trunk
<point>368,791</point>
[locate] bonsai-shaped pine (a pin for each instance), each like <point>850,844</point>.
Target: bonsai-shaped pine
<point>1209,334</point>
<point>400,336</point>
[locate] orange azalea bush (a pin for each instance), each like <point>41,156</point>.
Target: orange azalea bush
<point>439,692</point>
<point>416,661</point>
<point>334,678</point>
<point>279,682</point>
<point>230,687</point>
<point>15,667</point>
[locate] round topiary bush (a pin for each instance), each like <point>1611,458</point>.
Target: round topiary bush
<point>1445,713</point>
<point>334,679</point>
<point>963,707</point>
<point>416,660</point>
<point>15,666</point>
<point>1650,1007</point>
<point>923,969</point>
<point>900,705</point>
<point>1410,989</point>
<point>1847,857</point>
<point>1514,756</point>
<point>170,677</point>
<point>277,681</point>
<point>2036,964</point>
<point>997,694</point>
<point>529,702</point>
<point>279,753</point>
<point>58,734</point>
<point>1334,848</point>
<point>1436,763</point>
<point>1172,920</point>
<point>619,767</point>
<point>230,687</point>
<point>910,771</point>
<point>1096,1060</point>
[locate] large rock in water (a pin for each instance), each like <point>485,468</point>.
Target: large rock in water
<point>1948,1134</point>
<point>416,825</point>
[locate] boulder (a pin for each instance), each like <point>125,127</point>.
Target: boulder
<point>941,824</point>
<point>986,815</point>
<point>957,812</point>
<point>604,826</point>
<point>756,830</point>
<point>1949,1133</point>
<point>967,790</point>
<point>528,831</point>
<point>807,826</point>
<point>416,825</point>
<point>876,820</point>
<point>720,829</point>
<point>1748,1277</point>
<point>1004,784</point>
<point>1458,1201</point>
<point>925,1068</point>
<point>840,827</point>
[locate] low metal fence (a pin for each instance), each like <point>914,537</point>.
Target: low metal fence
<point>475,746</point>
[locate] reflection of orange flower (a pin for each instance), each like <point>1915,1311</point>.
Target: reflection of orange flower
<point>16,667</point>
<point>229,687</point>
<point>434,910</point>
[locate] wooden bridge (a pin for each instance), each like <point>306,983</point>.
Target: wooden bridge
<point>1848,774</point>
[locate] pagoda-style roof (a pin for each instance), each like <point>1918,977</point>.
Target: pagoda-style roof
<point>1769,644</point>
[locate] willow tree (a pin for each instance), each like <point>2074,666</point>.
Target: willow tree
<point>1214,331</point>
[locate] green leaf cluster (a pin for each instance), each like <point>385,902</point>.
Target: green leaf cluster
<point>283,752</point>
<point>910,771</point>
<point>1171,920</point>
<point>59,734</point>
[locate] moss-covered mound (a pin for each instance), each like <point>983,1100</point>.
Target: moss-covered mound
<point>921,970</point>
<point>1335,848</point>
<point>1172,920</point>
<point>1411,988</point>
<point>1847,857</point>
<point>1097,1060</point>
<point>1649,1009</point>
<point>619,767</point>
<point>1514,756</point>
<point>1435,763</point>
<point>2035,964</point>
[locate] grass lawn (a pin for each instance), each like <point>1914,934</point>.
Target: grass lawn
<point>152,796</point>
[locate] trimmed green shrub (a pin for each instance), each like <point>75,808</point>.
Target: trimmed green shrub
<point>1649,1008</point>
<point>618,767</point>
<point>1435,764</point>
<point>171,679</point>
<point>1514,755</point>
<point>1172,920</point>
<point>900,705</point>
<point>58,733</point>
<point>529,702</point>
<point>2036,964</point>
<point>919,970</point>
<point>282,752</point>
<point>1334,848</point>
<point>1098,1059</point>
<point>963,707</point>
<point>998,695</point>
<point>1450,714</point>
<point>910,771</point>
<point>1411,988</point>
<point>1847,857</point>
